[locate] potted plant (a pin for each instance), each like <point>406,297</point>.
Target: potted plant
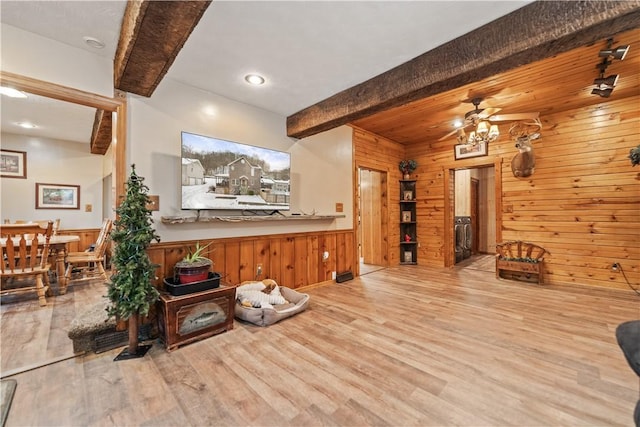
<point>194,267</point>
<point>130,291</point>
<point>407,166</point>
<point>634,155</point>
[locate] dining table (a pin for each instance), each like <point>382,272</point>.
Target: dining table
<point>58,247</point>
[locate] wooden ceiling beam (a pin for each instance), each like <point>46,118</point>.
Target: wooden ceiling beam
<point>151,36</point>
<point>536,31</point>
<point>102,132</point>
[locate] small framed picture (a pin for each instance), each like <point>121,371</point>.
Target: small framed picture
<point>463,151</point>
<point>408,195</point>
<point>57,196</point>
<point>406,216</point>
<point>408,256</point>
<point>13,164</point>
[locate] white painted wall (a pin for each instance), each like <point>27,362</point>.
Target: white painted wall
<point>321,165</point>
<point>52,161</point>
<point>41,58</point>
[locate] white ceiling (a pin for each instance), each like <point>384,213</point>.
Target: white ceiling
<point>306,50</point>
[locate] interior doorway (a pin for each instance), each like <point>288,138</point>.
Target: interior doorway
<point>372,220</point>
<point>473,205</point>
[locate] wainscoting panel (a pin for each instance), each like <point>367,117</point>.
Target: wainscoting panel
<point>292,260</point>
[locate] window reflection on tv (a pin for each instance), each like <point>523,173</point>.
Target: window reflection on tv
<point>226,175</point>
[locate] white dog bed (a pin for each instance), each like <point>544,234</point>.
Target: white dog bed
<point>257,307</point>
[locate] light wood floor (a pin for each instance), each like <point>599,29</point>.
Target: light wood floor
<point>402,346</point>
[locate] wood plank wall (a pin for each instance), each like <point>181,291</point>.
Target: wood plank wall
<point>582,203</point>
<point>381,154</point>
<point>292,260</point>
<point>88,236</point>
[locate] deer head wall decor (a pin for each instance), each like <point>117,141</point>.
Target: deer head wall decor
<point>524,162</point>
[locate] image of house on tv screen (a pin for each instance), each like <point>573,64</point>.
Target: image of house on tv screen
<point>226,175</point>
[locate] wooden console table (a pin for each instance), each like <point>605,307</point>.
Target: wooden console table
<point>187,318</point>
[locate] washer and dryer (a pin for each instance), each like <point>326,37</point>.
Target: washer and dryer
<point>464,238</point>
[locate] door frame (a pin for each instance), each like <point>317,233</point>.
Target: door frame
<point>449,200</point>
<point>384,213</point>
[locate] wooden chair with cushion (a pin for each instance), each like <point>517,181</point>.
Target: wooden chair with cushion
<point>89,264</point>
<point>22,248</point>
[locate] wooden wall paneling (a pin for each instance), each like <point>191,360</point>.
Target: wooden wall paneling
<point>301,261</point>
<point>328,244</point>
<point>313,260</point>
<point>276,262</point>
<point>217,252</point>
<point>232,262</point>
<point>289,260</point>
<point>381,154</point>
<point>246,267</point>
<point>349,250</point>
<point>341,248</point>
<point>262,255</point>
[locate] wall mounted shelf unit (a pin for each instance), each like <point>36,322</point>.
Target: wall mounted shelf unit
<point>408,224</point>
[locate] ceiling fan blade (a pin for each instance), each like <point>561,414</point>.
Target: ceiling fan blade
<point>513,117</point>
<point>449,134</point>
<point>487,112</point>
<point>453,132</point>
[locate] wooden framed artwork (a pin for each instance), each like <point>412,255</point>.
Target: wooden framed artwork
<point>406,216</point>
<point>13,164</point>
<point>57,196</point>
<point>463,151</point>
<point>408,195</point>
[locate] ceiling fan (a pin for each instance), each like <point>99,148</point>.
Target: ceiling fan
<point>477,115</point>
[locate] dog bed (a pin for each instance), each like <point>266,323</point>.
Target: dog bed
<point>268,308</point>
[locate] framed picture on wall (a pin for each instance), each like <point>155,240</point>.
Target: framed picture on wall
<point>408,256</point>
<point>406,216</point>
<point>13,164</point>
<point>408,195</point>
<point>463,151</point>
<point>57,196</point>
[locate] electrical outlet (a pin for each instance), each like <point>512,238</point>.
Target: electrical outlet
<point>259,270</point>
<point>615,267</point>
<point>325,255</point>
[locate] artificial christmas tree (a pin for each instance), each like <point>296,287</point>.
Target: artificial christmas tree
<point>130,289</point>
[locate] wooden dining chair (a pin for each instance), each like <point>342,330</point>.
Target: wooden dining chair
<point>22,248</point>
<point>89,264</point>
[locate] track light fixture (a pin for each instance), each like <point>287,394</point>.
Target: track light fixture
<point>605,93</point>
<point>605,85</point>
<point>618,53</point>
<point>610,81</point>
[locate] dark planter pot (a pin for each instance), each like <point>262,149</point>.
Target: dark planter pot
<point>192,272</point>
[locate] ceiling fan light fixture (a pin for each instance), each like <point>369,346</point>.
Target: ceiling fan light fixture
<point>494,132</point>
<point>482,128</point>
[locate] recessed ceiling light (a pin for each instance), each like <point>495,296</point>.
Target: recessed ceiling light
<point>93,42</point>
<point>11,92</point>
<point>26,125</point>
<point>254,79</point>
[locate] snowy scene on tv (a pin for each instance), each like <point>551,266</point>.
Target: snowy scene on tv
<point>219,174</point>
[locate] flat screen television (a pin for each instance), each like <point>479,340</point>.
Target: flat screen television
<point>225,175</point>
